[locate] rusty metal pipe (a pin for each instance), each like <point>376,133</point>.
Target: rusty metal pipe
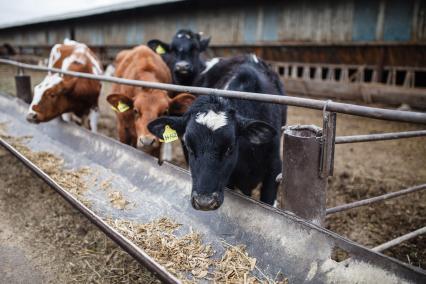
<point>378,113</point>
<point>375,199</point>
<point>379,136</point>
<point>304,188</point>
<point>399,240</point>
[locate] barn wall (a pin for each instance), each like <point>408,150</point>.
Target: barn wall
<point>248,22</point>
<point>331,31</point>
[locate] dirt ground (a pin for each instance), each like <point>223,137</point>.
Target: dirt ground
<point>58,242</point>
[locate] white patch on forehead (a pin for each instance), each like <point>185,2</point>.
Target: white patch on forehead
<point>48,82</point>
<point>255,59</point>
<point>211,119</point>
<point>210,64</point>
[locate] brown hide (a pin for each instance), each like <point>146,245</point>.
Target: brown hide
<point>145,104</point>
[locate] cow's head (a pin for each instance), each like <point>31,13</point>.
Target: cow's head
<point>55,95</point>
<point>145,107</point>
<point>213,132</point>
<point>182,55</point>
<point>51,98</point>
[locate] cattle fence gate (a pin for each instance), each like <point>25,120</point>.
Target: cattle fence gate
<point>309,147</point>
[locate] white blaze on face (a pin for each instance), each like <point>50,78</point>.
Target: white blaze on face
<point>211,119</point>
<point>48,82</point>
<point>210,64</point>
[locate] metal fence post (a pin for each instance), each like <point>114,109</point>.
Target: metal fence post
<point>303,185</point>
<point>23,87</point>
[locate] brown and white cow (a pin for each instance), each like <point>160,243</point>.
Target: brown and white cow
<point>67,96</point>
<point>135,106</point>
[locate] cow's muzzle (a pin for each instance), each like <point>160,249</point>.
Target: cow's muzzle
<point>206,202</point>
<point>147,143</point>
<point>32,117</point>
<point>182,67</point>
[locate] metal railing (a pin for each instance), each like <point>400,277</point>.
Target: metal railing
<point>326,106</point>
<point>375,199</point>
<point>378,113</point>
<point>379,136</point>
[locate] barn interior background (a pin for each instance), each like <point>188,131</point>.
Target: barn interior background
<point>367,52</point>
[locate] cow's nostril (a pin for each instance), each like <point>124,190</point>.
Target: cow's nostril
<point>147,141</point>
<point>202,202</point>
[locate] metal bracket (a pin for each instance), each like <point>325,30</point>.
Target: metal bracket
<point>328,142</point>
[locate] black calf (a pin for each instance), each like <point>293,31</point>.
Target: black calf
<point>231,142</point>
<point>182,55</point>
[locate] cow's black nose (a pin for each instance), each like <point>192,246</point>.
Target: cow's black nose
<point>182,67</point>
<point>205,202</point>
<point>32,117</point>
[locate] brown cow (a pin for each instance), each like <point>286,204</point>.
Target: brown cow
<point>65,95</point>
<point>136,106</point>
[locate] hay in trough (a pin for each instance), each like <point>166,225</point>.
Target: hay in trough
<point>117,200</point>
<point>188,257</point>
<point>72,180</point>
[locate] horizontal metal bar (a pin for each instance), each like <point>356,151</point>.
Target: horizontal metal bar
<point>399,240</point>
<point>378,113</point>
<point>113,234</point>
<point>379,136</point>
<point>375,199</point>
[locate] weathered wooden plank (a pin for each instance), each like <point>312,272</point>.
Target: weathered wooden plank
<point>367,92</point>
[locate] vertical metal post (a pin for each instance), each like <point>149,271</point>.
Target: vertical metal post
<point>304,188</point>
<point>23,86</point>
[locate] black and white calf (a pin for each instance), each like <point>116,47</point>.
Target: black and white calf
<point>231,143</point>
<point>182,55</point>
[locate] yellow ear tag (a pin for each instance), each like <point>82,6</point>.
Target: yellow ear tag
<point>122,107</point>
<point>169,134</point>
<point>160,50</point>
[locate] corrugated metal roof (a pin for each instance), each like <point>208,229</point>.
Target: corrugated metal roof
<point>90,12</point>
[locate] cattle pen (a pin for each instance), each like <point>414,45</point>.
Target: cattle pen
<point>303,197</point>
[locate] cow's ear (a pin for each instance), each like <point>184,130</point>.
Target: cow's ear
<point>120,102</point>
<point>204,43</point>
<point>158,46</point>
<point>256,131</point>
<point>181,103</point>
<point>158,126</point>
